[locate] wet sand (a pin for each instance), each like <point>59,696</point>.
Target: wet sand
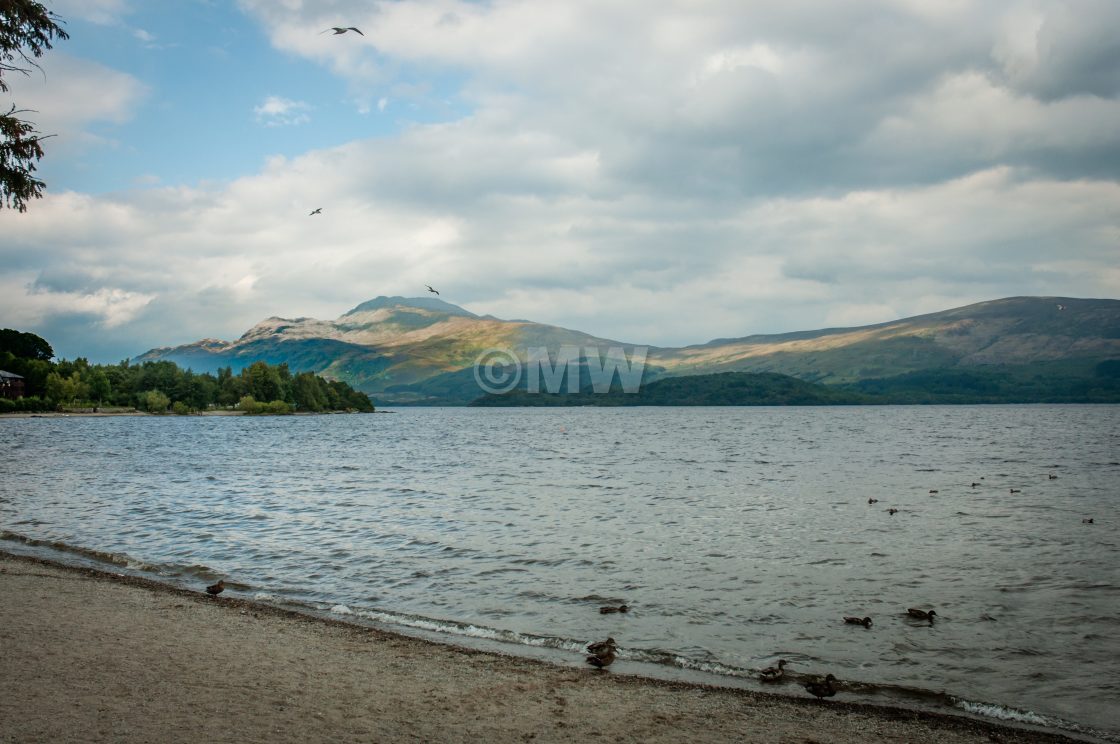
<point>92,656</point>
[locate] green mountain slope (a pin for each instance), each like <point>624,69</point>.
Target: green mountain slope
<point>1012,331</point>
<point>423,350</point>
<point>388,347</point>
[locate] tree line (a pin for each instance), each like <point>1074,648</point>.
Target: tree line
<point>160,387</point>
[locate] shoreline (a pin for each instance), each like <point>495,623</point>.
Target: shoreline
<point>126,658</point>
<point>135,413</point>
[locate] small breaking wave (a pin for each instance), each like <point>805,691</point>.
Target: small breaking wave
<point>1002,712</point>
<point>1028,717</point>
<point>114,559</point>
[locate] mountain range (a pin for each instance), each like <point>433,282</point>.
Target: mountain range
<point>423,350</point>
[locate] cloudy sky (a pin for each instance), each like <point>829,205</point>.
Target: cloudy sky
<point>655,172</point>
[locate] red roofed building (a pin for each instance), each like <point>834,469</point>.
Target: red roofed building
<point>11,385</point>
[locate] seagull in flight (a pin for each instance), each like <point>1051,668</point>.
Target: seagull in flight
<point>315,212</point>
<point>338,30</point>
<point>1061,307</point>
<point>429,286</point>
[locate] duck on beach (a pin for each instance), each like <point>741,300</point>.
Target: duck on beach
<point>822,688</point>
<point>601,646</point>
<point>609,610</point>
<point>864,621</point>
<point>603,660</point>
<point>921,614</point>
<point>602,653</point>
<point>773,673</point>
<point>215,589</point>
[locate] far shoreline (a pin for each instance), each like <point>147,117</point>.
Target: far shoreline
<point>142,414</point>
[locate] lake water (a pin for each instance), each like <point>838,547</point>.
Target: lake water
<point>737,535</point>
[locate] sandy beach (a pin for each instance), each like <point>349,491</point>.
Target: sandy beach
<point>93,656</point>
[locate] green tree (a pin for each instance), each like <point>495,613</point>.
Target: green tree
<point>99,387</point>
<point>230,388</point>
<point>263,382</point>
<point>307,392</point>
<point>26,28</point>
<point>25,345</point>
<point>66,390</point>
<point>155,401</point>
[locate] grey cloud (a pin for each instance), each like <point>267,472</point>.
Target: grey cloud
<point>661,174</point>
<point>1076,51</point>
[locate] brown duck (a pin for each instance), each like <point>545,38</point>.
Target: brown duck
<point>921,614</point>
<point>601,647</point>
<point>864,621</point>
<point>215,589</point>
<point>609,610</point>
<point>603,660</point>
<point>774,673</point>
<point>822,689</point>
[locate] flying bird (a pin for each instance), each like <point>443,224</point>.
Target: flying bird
<point>429,286</point>
<point>315,212</point>
<point>1061,307</point>
<point>215,589</point>
<point>338,30</point>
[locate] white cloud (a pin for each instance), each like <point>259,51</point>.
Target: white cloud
<point>660,173</point>
<point>104,12</point>
<point>109,308</point>
<point>277,111</point>
<point>71,94</point>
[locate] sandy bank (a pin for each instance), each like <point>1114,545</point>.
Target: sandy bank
<point>89,656</point>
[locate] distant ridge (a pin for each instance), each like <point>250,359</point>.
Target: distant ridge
<point>423,349</point>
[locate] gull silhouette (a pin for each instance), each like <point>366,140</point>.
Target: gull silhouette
<point>429,286</point>
<point>316,211</point>
<point>338,30</point>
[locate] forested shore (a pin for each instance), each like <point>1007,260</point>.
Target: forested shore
<point>162,387</point>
